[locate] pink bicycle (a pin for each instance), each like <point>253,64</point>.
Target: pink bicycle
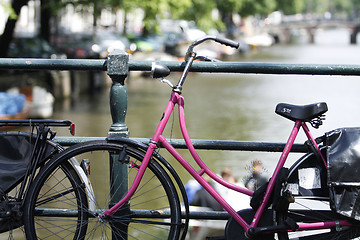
<point>146,199</point>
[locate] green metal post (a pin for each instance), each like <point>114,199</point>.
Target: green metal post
<point>118,66</point>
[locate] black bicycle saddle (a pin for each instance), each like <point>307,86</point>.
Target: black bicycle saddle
<point>304,113</point>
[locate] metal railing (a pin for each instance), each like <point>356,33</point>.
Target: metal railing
<point>118,67</point>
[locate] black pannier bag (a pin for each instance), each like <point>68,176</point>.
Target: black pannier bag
<point>15,156</point>
<point>343,159</point>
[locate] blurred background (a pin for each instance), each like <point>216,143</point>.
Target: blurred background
<point>222,106</point>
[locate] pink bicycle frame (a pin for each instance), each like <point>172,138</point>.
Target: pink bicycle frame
<point>176,98</point>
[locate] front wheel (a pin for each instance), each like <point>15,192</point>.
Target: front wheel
<point>153,212</point>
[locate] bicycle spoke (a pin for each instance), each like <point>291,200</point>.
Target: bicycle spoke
<point>51,225</point>
<point>62,194</point>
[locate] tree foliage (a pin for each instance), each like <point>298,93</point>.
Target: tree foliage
<point>290,7</point>
<point>8,9</point>
<point>200,11</point>
<point>153,11</point>
<point>259,7</point>
<point>6,37</point>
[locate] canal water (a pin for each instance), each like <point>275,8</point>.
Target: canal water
<point>235,106</point>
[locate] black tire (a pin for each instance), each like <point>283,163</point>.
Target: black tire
<point>15,152</point>
<point>156,195</point>
<point>303,211</point>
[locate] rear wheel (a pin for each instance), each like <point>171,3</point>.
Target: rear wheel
<point>308,211</point>
<point>153,212</point>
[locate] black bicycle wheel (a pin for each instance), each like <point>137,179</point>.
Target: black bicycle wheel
<point>153,212</point>
<point>310,211</point>
<point>15,156</point>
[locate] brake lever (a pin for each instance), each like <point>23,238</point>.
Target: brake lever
<point>163,80</point>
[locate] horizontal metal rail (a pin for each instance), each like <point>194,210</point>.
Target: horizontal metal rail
<point>202,144</point>
<point>177,66</point>
<point>210,215</point>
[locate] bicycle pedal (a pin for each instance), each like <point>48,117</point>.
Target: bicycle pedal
<point>291,224</point>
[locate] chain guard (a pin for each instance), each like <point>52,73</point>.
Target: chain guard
<point>233,230</point>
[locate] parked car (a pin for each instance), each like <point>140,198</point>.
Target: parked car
<point>88,45</point>
<point>105,41</point>
<point>166,42</point>
<point>149,43</point>
<point>32,47</point>
<point>187,29</point>
<point>76,46</point>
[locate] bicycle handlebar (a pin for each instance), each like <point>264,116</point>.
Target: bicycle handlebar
<point>218,39</point>
<point>227,42</point>
<point>191,56</point>
<point>221,40</point>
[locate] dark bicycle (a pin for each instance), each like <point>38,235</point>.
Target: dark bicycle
<point>22,154</point>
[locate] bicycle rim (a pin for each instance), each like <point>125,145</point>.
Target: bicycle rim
<point>307,211</point>
<point>153,212</point>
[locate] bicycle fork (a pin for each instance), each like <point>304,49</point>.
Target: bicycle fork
<point>135,184</point>
<point>148,155</point>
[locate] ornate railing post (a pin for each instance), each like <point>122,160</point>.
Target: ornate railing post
<point>118,67</point>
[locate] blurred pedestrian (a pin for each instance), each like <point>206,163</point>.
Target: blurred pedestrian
<point>191,187</point>
<point>237,200</point>
<point>256,179</point>
<point>203,199</point>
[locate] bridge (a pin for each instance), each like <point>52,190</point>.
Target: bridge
<point>282,30</point>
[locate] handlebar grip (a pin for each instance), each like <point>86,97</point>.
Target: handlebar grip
<point>227,42</point>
